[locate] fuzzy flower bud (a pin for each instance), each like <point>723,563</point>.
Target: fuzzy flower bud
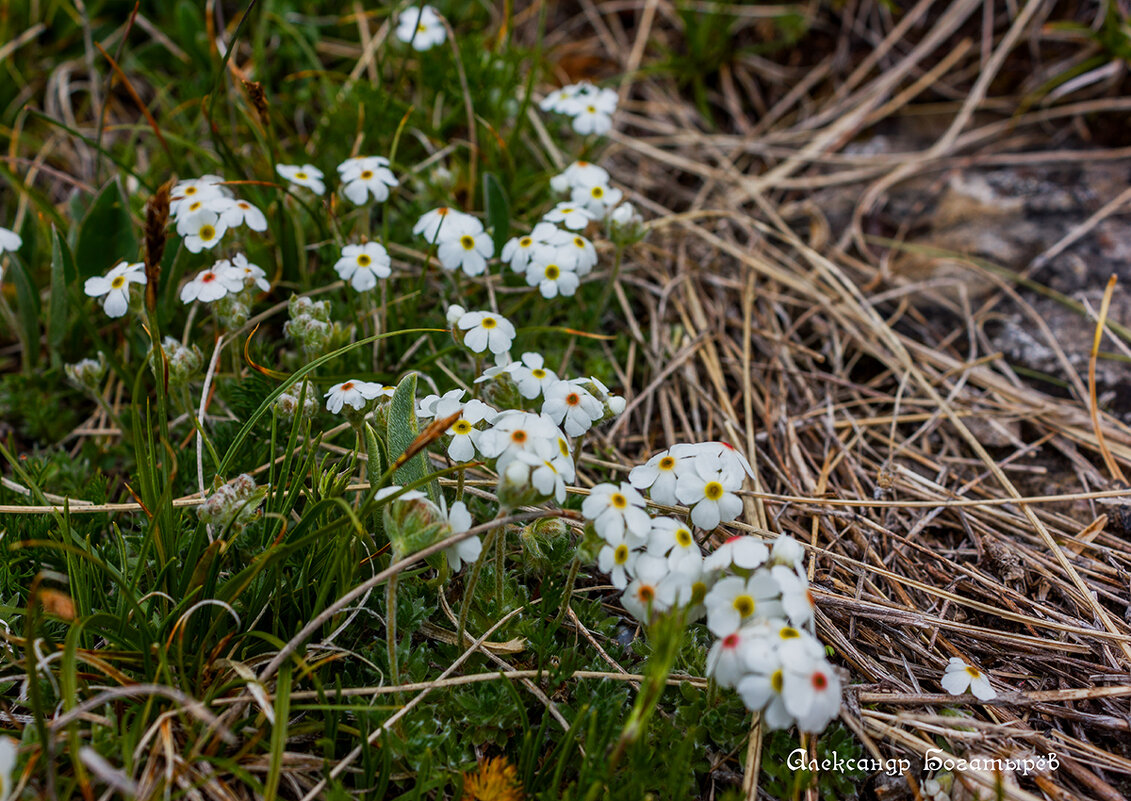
<point>184,361</point>
<point>87,373</point>
<point>626,226</point>
<point>287,405</point>
<point>234,505</point>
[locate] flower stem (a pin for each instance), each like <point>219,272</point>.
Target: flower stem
<point>500,561</point>
<point>472,580</point>
<point>391,626</point>
<point>574,566</point>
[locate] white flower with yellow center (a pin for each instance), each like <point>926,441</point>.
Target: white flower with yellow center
<point>362,265</point>
<point>709,493</point>
<point>960,677</point>
<point>520,250</point>
<point>469,251</point>
<point>762,679</point>
<point>552,279</point>
<point>658,475</point>
<point>464,434</point>
<point>445,223</point>
<point>594,114</point>
<point>235,213</point>
<point>365,176</point>
<point>643,597</point>
<point>672,539</point>
<point>532,376</point>
<point>597,198</point>
<point>202,231</point>
<point>114,287</point>
<point>617,559</point>
<point>486,331</point>
<point>572,215</point>
<point>617,511</point>
<point>572,406</point>
<point>578,254</point>
<point>580,173</point>
<point>306,175</point>
<point>185,195</point>
<point>734,601</point>
<point>421,26</point>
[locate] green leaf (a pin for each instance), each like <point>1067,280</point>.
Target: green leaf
<point>498,210</point>
<point>27,300</point>
<point>106,234</point>
<point>402,429</point>
<point>62,275</point>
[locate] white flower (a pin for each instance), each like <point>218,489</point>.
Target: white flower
<point>617,559</point>
<point>576,253</point>
<point>709,493</point>
<point>469,251</point>
<point>687,584</point>
<point>796,599</point>
<point>234,213</point>
<point>597,198</point>
<point>658,475</point>
<point>353,393</point>
<point>202,230</point>
<point>625,216</point>
<point>486,331</point>
<point>552,279</point>
<point>571,215</point>
<point>563,100</point>
<point>670,538</point>
<point>307,175</point>
<point>726,661</point>
<point>422,26</point>
<point>960,677</point>
<point>811,693</point>
<point>212,284</point>
<point>761,687</point>
<point>531,375</point>
<point>362,265</point>
<point>454,312</point>
<point>572,407</point>
<point>594,114</point>
<point>444,223</point>
<point>247,273</point>
<point>643,595</point>
<point>734,601</point>
<point>407,495</point>
<point>205,189</point>
<point>580,173</point>
<point>519,250</point>
<point>10,241</point>
<point>617,512</point>
<point>465,551</point>
<point>515,431</point>
<point>365,176</point>
<point>464,434</point>
<point>114,287</point>
<point>7,766</point>
<point>787,551</point>
<point>440,405</point>
<point>743,552</point>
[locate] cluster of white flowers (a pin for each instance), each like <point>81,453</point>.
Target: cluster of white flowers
<point>590,107</point>
<point>421,26</point>
<point>204,209</point>
<point>704,476</point>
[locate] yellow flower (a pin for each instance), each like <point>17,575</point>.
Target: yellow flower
<point>494,780</point>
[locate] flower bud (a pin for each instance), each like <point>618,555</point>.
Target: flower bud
<point>232,311</point>
<point>287,404</point>
<point>234,505</point>
<point>87,373</point>
<point>184,361</point>
<point>626,226</point>
<point>413,522</point>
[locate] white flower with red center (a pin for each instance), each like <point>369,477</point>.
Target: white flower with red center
<point>796,598</point>
<point>306,175</point>
<point>362,265</point>
<point>617,559</point>
<point>734,601</point>
<point>468,252</point>
<point>10,241</point>
<point>247,273</point>
<point>201,231</point>
<point>811,693</point>
<point>465,551</point>
<point>580,173</point>
<point>709,493</point>
<point>672,539</point>
<point>211,285</point>
<point>514,431</point>
<point>114,287</point>
<point>761,687</point>
<point>726,661</point>
<point>531,375</point>
<point>643,598</point>
<point>658,475</point>
<point>572,406</point>
<point>617,511</point>
<point>421,26</point>
<point>486,331</point>
<point>960,677</point>
<point>597,198</point>
<point>743,552</point>
<point>571,215</point>
<point>365,176</point>
<point>445,223</point>
<point>203,190</point>
<point>235,213</point>
<point>353,393</point>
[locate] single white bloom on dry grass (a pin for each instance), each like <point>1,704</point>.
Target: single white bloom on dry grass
<point>362,265</point>
<point>960,677</point>
<point>306,175</point>
<point>421,26</point>
<point>114,287</point>
<point>486,331</point>
<point>366,176</point>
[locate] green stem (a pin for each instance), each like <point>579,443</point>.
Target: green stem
<point>473,579</point>
<point>500,563</point>
<point>574,566</point>
<point>391,625</point>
